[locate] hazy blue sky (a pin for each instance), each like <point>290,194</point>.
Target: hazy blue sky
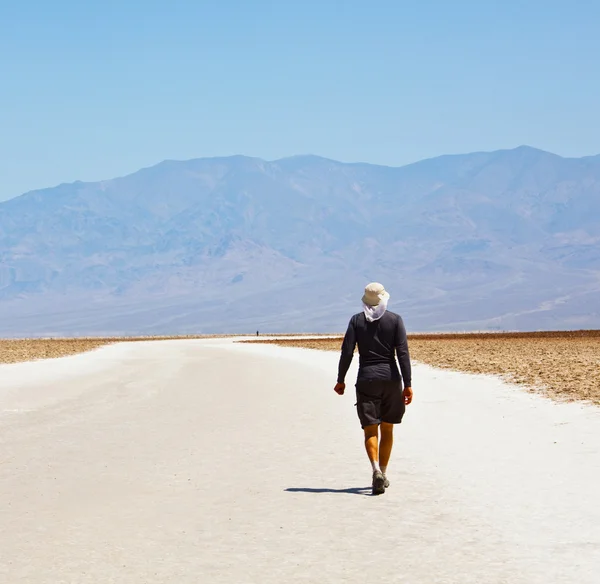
<point>93,90</point>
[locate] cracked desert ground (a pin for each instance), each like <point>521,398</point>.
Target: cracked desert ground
<point>563,365</point>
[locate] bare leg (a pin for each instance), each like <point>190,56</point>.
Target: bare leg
<point>372,448</point>
<point>371,442</point>
<point>387,441</point>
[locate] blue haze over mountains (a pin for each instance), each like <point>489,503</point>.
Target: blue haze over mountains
<point>491,240</point>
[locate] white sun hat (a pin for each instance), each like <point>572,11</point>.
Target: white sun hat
<point>374,294</point>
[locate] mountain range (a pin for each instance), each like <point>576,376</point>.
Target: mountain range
<point>505,240</point>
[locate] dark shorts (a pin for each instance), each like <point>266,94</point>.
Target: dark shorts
<point>379,401</point>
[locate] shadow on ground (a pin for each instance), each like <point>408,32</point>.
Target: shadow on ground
<point>350,491</point>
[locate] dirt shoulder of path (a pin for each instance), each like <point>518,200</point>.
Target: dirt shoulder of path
<point>563,365</point>
<point>19,350</point>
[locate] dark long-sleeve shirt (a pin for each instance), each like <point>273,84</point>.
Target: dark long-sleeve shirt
<point>379,343</point>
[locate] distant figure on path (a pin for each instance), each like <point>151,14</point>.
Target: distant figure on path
<point>381,399</point>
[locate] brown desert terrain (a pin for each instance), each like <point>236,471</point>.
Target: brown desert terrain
<point>19,350</point>
<point>564,365</point>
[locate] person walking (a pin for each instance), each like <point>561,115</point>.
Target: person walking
<point>382,392</point>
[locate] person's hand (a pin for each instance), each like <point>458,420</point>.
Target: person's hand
<point>339,388</point>
<point>408,395</point>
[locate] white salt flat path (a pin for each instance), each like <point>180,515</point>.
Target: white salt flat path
<point>210,461</point>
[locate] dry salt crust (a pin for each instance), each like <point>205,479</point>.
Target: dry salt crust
<point>211,461</point>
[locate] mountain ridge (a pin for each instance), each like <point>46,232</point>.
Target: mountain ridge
<point>300,156</point>
<point>488,239</point>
